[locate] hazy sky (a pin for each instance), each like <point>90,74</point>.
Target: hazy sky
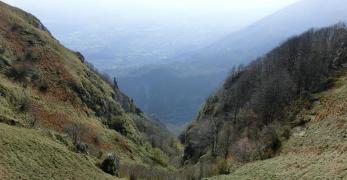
<point>240,12</point>
<point>144,31</point>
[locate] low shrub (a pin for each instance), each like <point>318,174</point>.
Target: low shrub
<point>82,147</point>
<point>111,164</point>
<point>76,132</point>
<point>222,166</point>
<point>19,72</point>
<point>32,56</point>
<point>23,102</point>
<point>80,56</point>
<point>160,157</point>
<point>42,85</point>
<point>118,125</point>
<point>2,50</point>
<point>139,171</point>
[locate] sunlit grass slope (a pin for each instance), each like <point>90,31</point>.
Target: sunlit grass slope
<point>33,154</point>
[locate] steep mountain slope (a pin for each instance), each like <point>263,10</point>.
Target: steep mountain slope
<point>45,87</point>
<point>197,74</point>
<point>252,116</point>
<point>316,150</point>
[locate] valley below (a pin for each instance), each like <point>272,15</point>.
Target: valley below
<point>269,108</point>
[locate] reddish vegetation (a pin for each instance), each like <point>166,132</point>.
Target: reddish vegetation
<point>51,120</point>
<point>105,146</point>
<point>58,122</point>
<point>53,63</point>
<point>54,71</point>
<point>14,42</point>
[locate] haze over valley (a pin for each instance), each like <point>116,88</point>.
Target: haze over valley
<point>123,34</point>
<point>173,89</point>
<point>130,39</point>
<point>174,92</point>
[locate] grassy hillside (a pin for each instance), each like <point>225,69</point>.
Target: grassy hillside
<point>47,87</point>
<point>315,150</point>
<point>33,154</point>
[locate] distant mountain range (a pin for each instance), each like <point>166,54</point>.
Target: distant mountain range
<point>260,37</point>
<point>175,91</point>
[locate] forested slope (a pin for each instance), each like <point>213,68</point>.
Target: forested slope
<point>316,149</point>
<point>254,114</point>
